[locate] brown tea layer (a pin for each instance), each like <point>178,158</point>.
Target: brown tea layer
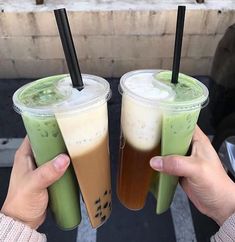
<point>93,173</point>
<point>134,175</point>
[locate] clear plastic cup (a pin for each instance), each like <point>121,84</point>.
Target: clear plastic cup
<point>59,118</point>
<point>178,123</point>
<point>47,142</point>
<point>141,118</point>
<point>152,123</point>
<point>84,126</point>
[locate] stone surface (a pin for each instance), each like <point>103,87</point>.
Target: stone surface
<point>182,217</point>
<point>107,33</point>
<point>38,68</point>
<point>203,45</point>
<point>85,233</point>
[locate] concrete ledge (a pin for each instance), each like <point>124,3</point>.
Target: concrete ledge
<point>111,37</point>
<point>94,5</point>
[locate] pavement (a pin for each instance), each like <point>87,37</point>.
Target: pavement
<point>182,223</point>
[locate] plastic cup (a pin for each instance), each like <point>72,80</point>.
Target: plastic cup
<point>32,102</point>
<point>153,123</point>
<point>179,118</point>
<point>84,126</point>
<point>141,119</point>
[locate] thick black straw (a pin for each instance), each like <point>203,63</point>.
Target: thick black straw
<point>68,46</point>
<point>178,43</point>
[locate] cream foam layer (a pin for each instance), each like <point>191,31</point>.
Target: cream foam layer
<point>92,93</point>
<point>141,123</point>
<point>145,85</point>
<point>83,118</point>
<point>83,131</point>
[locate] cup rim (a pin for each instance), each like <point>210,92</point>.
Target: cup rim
<point>196,103</point>
<point>20,108</point>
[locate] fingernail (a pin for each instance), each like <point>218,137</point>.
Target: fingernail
<point>156,163</point>
<point>61,162</point>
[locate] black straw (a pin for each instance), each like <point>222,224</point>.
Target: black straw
<point>178,43</point>
<point>68,46</point>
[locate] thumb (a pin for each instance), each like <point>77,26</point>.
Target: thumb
<point>47,174</point>
<point>174,165</point>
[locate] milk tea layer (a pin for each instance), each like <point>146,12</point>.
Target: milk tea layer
<point>141,133</point>
<point>85,131</point>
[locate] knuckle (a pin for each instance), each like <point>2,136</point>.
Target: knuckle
<point>47,174</point>
<point>176,165</point>
<point>172,164</point>
<point>41,176</point>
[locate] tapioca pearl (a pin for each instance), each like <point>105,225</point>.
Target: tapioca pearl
<point>105,193</point>
<point>106,205</point>
<point>103,218</point>
<point>98,208</point>
<point>97,201</point>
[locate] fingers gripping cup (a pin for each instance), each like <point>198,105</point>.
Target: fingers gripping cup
<point>141,121</point>
<point>179,119</point>
<point>84,126</point>
<point>37,102</point>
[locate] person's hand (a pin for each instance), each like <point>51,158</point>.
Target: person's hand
<point>203,178</point>
<point>27,196</point>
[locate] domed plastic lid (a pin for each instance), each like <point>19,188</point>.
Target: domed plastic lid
<point>153,87</point>
<point>56,94</point>
<point>142,86</point>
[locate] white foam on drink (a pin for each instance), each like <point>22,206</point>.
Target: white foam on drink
<point>146,86</point>
<point>92,90</point>
<point>141,123</point>
<point>86,125</point>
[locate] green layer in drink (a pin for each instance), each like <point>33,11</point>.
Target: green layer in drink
<point>179,120</point>
<point>34,102</point>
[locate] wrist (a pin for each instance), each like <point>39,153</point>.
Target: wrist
<point>227,205</point>
<point>12,213</point>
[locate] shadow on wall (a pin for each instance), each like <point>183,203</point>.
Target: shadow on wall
<point>222,86</point>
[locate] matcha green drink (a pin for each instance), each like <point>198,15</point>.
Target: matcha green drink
<point>179,119</point>
<point>36,103</point>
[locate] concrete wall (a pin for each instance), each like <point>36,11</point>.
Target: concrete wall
<point>110,39</point>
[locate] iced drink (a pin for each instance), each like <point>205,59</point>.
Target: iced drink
<point>36,103</point>
<point>84,126</point>
<point>141,122</point>
<point>180,116</point>
<point>157,118</point>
